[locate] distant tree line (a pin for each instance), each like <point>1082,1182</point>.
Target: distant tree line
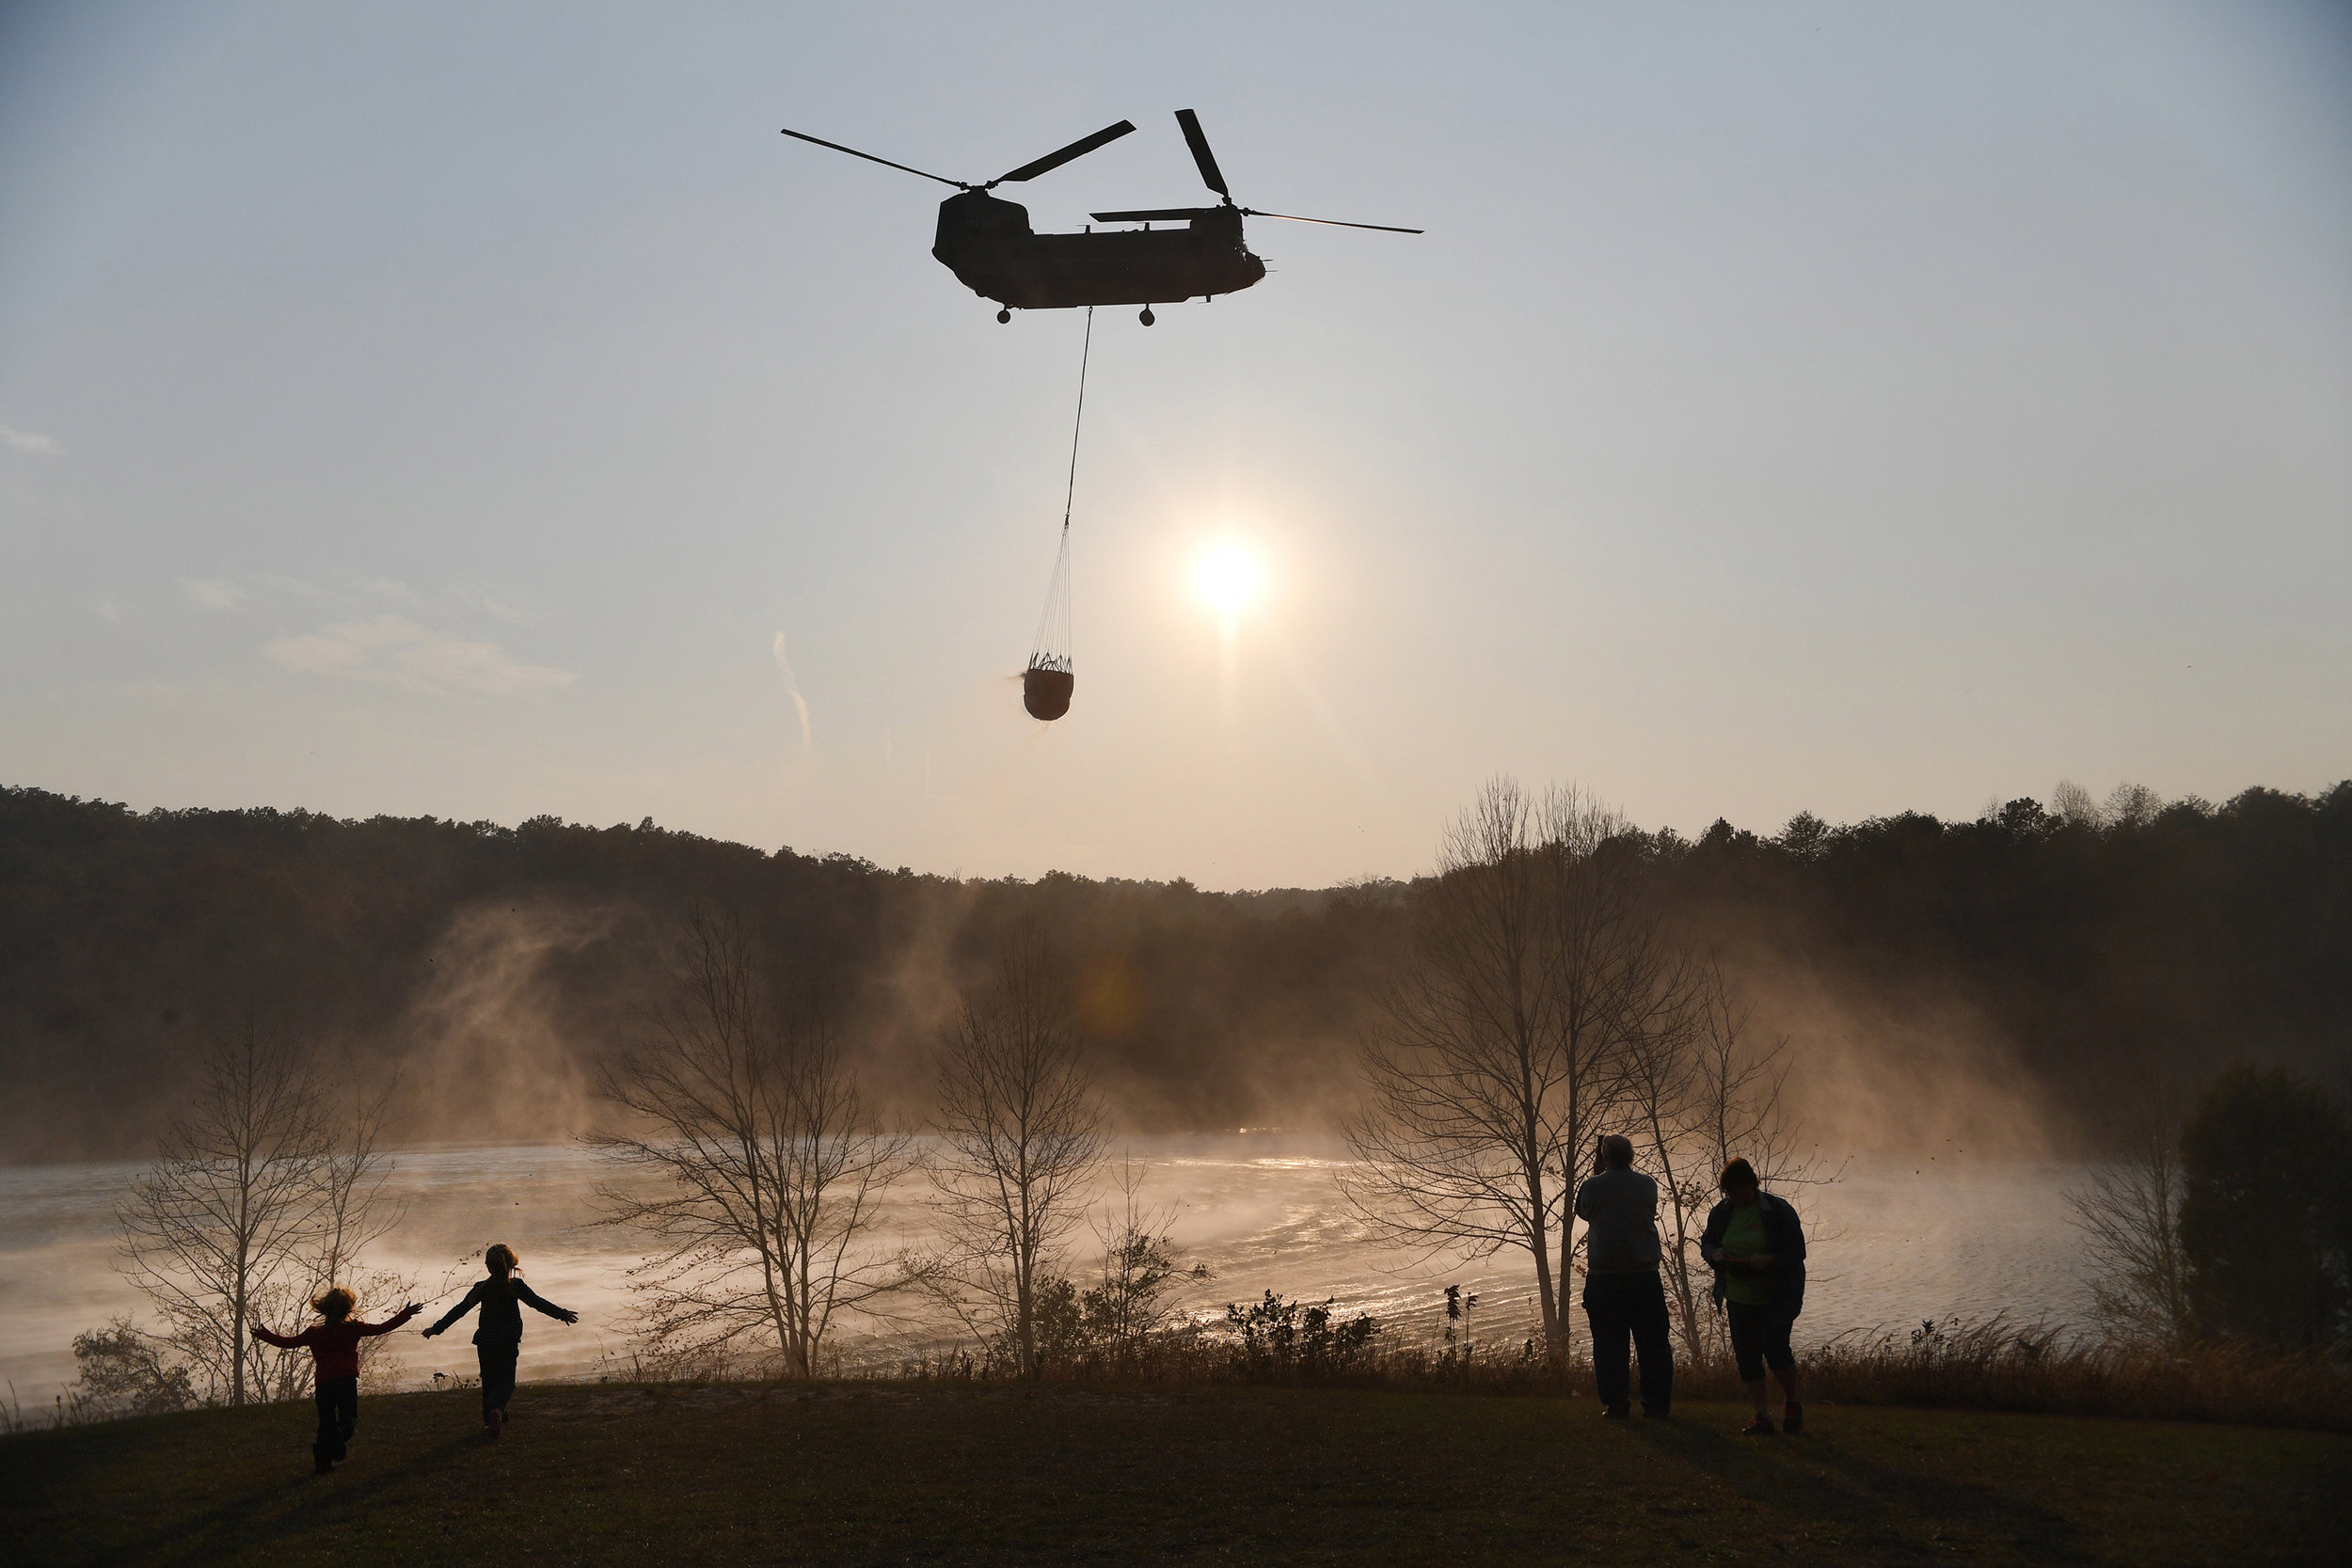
<point>2101,940</point>
<point>2105,942</point>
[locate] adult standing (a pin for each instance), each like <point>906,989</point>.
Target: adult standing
<point>1624,1299</point>
<point>1755,1243</point>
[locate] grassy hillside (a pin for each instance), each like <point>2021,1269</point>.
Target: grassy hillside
<point>887,1473</point>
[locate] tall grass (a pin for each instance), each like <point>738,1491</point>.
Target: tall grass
<point>1993,1365</point>
<point>1998,1366</point>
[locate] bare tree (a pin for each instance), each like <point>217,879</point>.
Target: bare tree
<point>2129,1214</point>
<point>1666,1102</point>
<point>215,1231</point>
<point>1494,1063</point>
<point>1699,1094</point>
<point>1634,991</point>
<point>1020,1139</point>
<point>355,1209</point>
<point>2072,804</point>
<point>770,1167</point>
<point>2131,805</point>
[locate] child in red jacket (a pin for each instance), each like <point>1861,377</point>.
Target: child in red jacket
<point>334,1345</point>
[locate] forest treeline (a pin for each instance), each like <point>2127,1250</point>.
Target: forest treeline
<point>2058,950</point>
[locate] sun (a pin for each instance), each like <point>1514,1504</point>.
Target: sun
<point>1229,578</point>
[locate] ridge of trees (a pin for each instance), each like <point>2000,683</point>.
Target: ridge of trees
<point>2097,941</point>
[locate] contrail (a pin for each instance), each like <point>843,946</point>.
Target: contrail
<point>800,703</point>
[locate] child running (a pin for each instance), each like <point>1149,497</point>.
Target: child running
<point>334,1346</point>
<point>499,1336</point>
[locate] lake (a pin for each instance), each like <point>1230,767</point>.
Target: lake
<point>1891,1243</point>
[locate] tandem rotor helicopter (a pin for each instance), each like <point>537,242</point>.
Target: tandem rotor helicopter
<point>987,242</point>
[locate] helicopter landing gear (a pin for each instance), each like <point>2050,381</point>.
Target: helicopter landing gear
<point>1147,318</point>
<point>1003,316</point>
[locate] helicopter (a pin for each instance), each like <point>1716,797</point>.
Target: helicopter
<point>988,243</point>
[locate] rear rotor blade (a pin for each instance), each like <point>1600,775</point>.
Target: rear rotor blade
<point>1210,173</point>
<point>1336,223</point>
<point>1156,214</point>
<point>1078,149</point>
<point>872,159</point>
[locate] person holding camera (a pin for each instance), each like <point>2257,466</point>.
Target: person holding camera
<point>1624,1299</point>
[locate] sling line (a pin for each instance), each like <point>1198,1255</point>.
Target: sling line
<point>1052,650</point>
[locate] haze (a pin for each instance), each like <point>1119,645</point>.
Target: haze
<point>485,413</point>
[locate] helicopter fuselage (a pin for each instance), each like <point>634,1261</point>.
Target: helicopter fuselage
<point>987,242</point>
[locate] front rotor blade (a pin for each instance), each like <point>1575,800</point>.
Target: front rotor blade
<point>1336,223</point>
<point>1078,149</point>
<point>1200,153</point>
<point>872,159</point>
<point>1156,214</point>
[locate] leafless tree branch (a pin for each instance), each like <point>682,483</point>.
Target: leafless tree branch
<point>1020,1141</point>
<point>217,1230</point>
<point>767,1167</point>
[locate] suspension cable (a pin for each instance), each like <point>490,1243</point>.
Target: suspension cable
<point>1050,648</point>
<point>1084,354</point>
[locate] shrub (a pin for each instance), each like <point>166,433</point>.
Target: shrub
<point>2266,1211</point>
<point>121,1372</point>
<point>1278,1340</point>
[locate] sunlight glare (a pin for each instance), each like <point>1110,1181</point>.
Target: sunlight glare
<point>1229,578</point>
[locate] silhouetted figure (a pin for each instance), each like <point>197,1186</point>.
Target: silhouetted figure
<point>1757,1247</point>
<point>497,1336</point>
<point>1624,1299</point>
<point>334,1347</point>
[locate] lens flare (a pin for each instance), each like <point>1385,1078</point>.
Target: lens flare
<point>1229,578</point>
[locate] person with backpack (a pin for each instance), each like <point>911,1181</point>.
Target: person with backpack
<point>497,1335</point>
<point>1756,1244</point>
<point>333,1342</point>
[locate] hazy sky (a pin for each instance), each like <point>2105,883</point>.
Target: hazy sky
<point>480,411</point>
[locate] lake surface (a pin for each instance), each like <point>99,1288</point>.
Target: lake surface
<point>1891,1243</point>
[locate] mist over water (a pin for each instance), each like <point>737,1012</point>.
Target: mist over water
<point>1947,1235</point>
